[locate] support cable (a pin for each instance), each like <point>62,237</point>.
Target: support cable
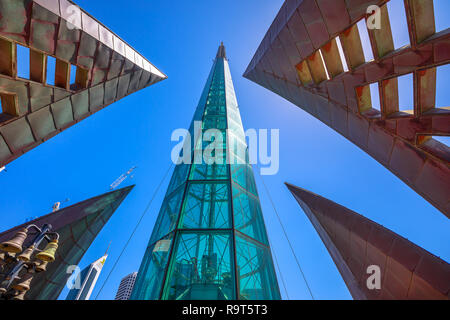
<point>286,236</point>
<point>134,231</point>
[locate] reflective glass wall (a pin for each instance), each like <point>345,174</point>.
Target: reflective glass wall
<point>209,241</point>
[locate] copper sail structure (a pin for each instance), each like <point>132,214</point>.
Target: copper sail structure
<point>78,226</point>
<point>356,243</point>
<point>209,241</point>
<point>300,60</point>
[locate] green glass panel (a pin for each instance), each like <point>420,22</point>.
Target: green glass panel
<point>201,268</point>
<point>70,252</point>
<point>216,109</point>
<point>256,275</point>
<point>90,219</point>
<point>206,206</point>
<point>150,277</point>
<point>198,115</point>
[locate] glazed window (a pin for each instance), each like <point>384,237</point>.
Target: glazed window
<point>369,103</point>
<point>399,23</point>
<point>433,89</point>
<point>51,70</point>
<point>8,106</point>
<point>406,93</point>
<point>8,53</point>
<point>441,9</point>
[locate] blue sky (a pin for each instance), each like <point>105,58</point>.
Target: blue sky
<point>181,38</point>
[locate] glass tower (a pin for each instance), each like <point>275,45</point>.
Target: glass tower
<point>209,241</point>
<point>87,280</point>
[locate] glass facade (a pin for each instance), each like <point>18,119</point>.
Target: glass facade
<point>209,241</point>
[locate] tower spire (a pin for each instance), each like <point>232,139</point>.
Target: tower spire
<point>221,53</point>
<point>210,224</point>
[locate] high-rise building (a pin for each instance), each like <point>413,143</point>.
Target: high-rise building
<point>363,250</point>
<point>209,241</point>
<point>85,281</point>
<point>77,66</point>
<point>315,56</point>
<point>77,226</point>
<point>126,287</point>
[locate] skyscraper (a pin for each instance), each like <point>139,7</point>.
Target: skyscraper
<point>209,240</point>
<point>85,281</point>
<point>126,287</point>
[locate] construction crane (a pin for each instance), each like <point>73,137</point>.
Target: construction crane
<point>122,178</point>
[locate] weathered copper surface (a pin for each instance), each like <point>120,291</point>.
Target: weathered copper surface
<point>355,243</point>
<point>287,63</point>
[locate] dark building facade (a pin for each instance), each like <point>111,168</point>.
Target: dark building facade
<point>355,243</point>
<point>92,68</point>
<point>299,59</point>
<point>77,226</point>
